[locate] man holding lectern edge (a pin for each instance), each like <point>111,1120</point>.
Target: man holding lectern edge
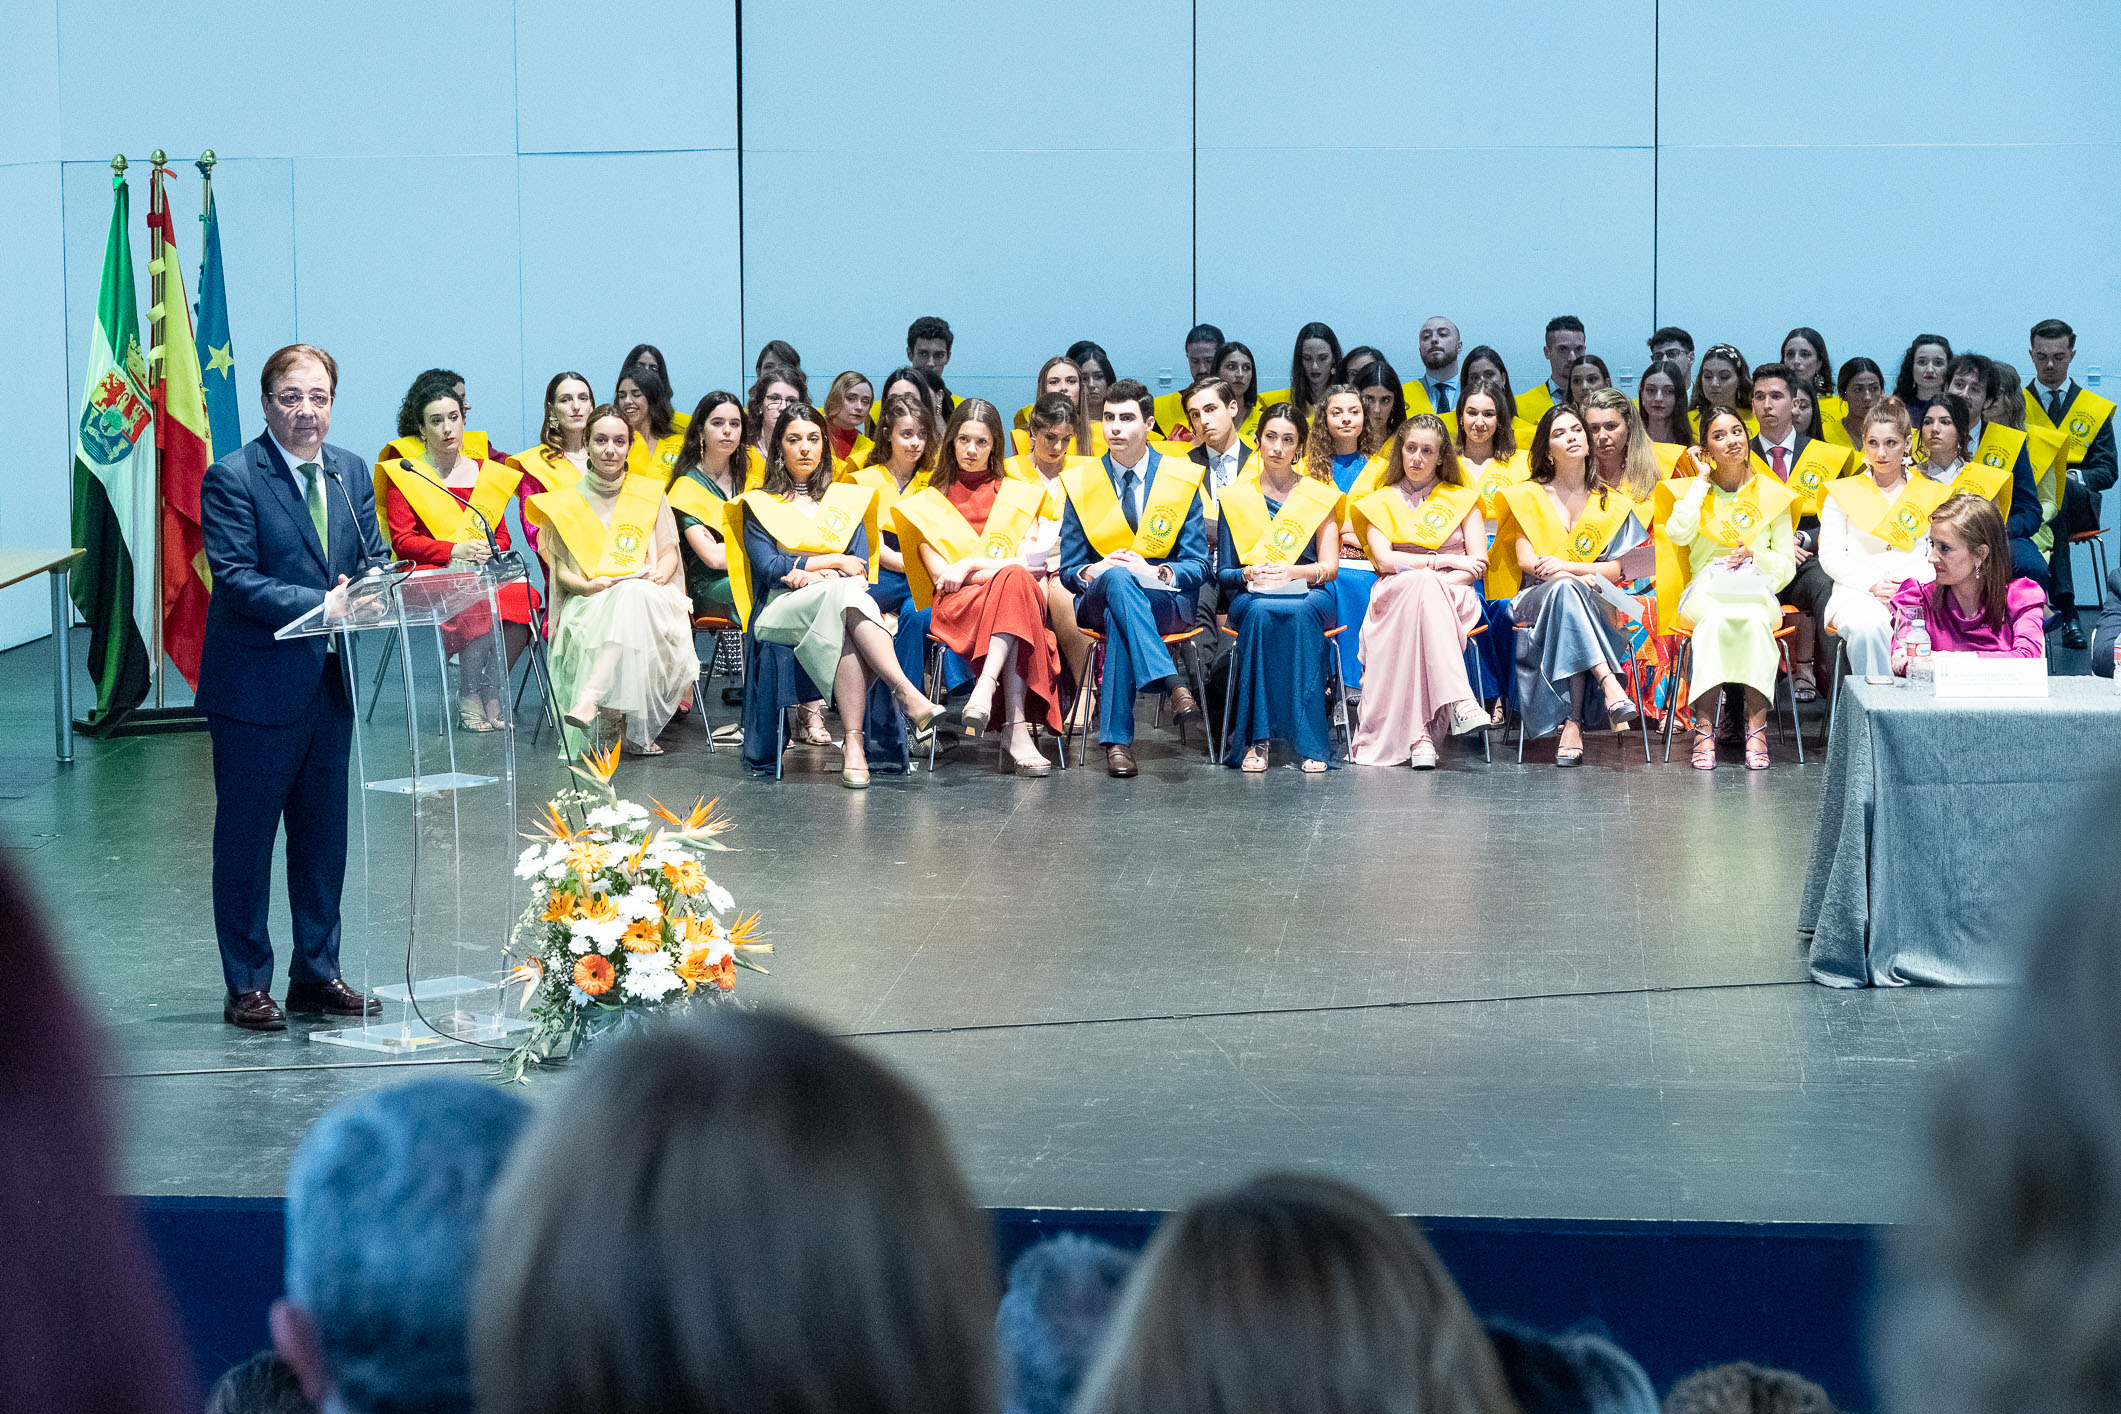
<point>287,520</point>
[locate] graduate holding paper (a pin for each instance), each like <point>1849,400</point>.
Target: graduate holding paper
<point>1724,552</point>
<point>621,622</point>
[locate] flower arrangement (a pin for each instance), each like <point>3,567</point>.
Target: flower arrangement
<point>623,920</point>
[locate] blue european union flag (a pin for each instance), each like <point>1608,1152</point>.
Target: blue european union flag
<point>217,363</point>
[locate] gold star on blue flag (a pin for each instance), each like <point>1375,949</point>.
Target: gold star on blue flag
<point>217,360</point>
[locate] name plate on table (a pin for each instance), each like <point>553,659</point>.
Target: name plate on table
<point>1971,675</point>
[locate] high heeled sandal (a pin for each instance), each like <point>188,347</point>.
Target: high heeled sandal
<point>1756,757</point>
<point>1621,712</point>
<point>1704,752</point>
<point>810,725</point>
<point>851,777</point>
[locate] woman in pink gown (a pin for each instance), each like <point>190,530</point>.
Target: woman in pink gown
<point>1423,531</point>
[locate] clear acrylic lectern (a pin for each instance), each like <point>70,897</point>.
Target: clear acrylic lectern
<point>432,896</point>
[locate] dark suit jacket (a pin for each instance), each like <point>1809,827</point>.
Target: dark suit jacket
<point>1808,528</point>
<point>2109,627</point>
<point>268,569</point>
<point>1189,553</point>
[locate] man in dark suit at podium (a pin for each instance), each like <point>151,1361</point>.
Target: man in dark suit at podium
<point>285,519</point>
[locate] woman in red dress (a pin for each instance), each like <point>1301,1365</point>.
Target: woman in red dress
<point>404,487</point>
<point>967,531</point>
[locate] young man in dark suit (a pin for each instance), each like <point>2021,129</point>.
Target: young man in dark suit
<point>286,519</point>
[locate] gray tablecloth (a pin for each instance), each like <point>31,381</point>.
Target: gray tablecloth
<point>1938,821</point>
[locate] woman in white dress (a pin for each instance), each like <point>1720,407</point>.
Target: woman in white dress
<point>621,625</point>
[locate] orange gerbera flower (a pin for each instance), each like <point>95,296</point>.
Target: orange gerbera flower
<point>643,935</point>
<point>593,974</point>
<point>686,876</point>
<point>558,908</point>
<point>587,857</point>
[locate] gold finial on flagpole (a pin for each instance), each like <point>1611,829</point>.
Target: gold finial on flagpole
<point>158,157</point>
<point>205,164</point>
<point>117,165</point>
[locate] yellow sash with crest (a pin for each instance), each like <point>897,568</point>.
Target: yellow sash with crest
<point>442,513</point>
<point>1054,499</point>
<point>1279,540</point>
<point>1817,466</point>
<point>1738,520</point>
<point>551,470</point>
<point>1529,513</point>
<point>1163,514</point>
<point>1901,520</point>
<point>644,458</point>
<point>928,517</point>
<point>2081,420</point>
<point>880,480</point>
<point>695,498</point>
<point>1425,526</point>
<point>604,551</point>
<point>1988,482</point>
<point>831,531</point>
<point>475,445</point>
<point>1498,475</point>
<point>1999,447</point>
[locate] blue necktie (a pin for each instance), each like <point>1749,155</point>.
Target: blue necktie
<point>1443,397</point>
<point>1126,499</point>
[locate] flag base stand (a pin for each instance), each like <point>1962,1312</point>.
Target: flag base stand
<point>145,721</point>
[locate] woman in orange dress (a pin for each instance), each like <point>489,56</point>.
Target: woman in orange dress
<point>964,536</point>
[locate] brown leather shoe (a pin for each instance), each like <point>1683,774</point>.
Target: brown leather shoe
<point>1183,708</point>
<point>333,998</point>
<point>1119,761</point>
<point>253,1011</point>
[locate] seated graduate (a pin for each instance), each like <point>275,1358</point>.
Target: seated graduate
<point>1722,381</point>
<point>1279,545</point>
<point>408,441</point>
<point>1489,459</point>
<point>1973,605</point>
<point>1940,446</point>
<point>1860,383</point>
<point>807,565</point>
<point>1923,369</point>
<point>620,624</point>
<point>1723,555</point>
<point>562,452</point>
<point>1560,530</point>
<point>1424,534</point>
<point>847,413</point>
<point>1212,410</point>
<point>1657,404</point>
<point>643,399</point>
<point>651,358</point>
<point>777,389</point>
<point>1872,538</point>
<point>1807,465</point>
<point>1060,376</point>
<point>900,462</point>
<point>1997,447</point>
<point>1134,551</point>
<point>964,540</point>
<point>1343,448</point>
<point>424,501</point>
<point>1586,376</point>
<point>1055,426</point>
<point>1235,365</point>
<point>708,476</point>
<point>1313,361</point>
<point>1384,399</point>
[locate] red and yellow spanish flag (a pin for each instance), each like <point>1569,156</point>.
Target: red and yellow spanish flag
<point>184,436</point>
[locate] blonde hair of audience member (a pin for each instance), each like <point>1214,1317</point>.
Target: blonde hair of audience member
<point>2008,406</point>
<point>2002,1299</point>
<point>1639,471</point>
<point>844,411</point>
<point>1488,428</point>
<point>617,1278</point>
<point>1297,1294</point>
<point>1060,375</point>
<point>1888,412</point>
<point>1448,471</point>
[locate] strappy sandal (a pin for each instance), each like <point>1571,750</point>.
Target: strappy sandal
<point>1312,768</point>
<point>1620,712</point>
<point>1803,686</point>
<point>1255,762</point>
<point>1704,755</point>
<point>810,725</point>
<point>1756,757</point>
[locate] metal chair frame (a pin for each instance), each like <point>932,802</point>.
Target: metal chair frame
<point>1086,692</point>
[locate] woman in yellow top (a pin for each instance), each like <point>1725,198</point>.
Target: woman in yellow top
<point>1274,563</point>
<point>621,624</point>
<point>1053,431</point>
<point>643,399</point>
<point>817,602</point>
<point>1733,550</point>
<point>1424,534</point>
<point>1490,460</point>
<point>1560,531</point>
<point>1874,537</point>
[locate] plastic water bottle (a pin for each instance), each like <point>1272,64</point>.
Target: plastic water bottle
<point>1920,666</point>
<point>2117,667</point>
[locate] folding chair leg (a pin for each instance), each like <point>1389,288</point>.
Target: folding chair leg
<point>1222,738</point>
<point>1796,727</point>
<point>390,651</point>
<point>1681,666</point>
<point>1200,699</point>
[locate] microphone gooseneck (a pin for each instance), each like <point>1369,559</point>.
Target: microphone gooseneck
<point>365,560</point>
<point>497,557</point>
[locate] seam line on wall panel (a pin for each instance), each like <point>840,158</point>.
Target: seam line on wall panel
<point>1193,153</point>
<point>525,380</point>
<point>742,333</point>
<point>1656,147</point>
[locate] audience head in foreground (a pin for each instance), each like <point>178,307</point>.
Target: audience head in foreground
<point>1575,1372</point>
<point>263,1384</point>
<point>85,1324</point>
<point>1293,1295</point>
<point>2005,1297</point>
<point>735,1214</point>
<point>385,1201</point>
<point>1745,1388</point>
<point>1053,1317</point>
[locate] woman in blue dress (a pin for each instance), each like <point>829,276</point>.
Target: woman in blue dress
<point>1275,564</point>
<point>1342,448</point>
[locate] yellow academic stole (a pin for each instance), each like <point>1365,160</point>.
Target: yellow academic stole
<point>548,468</point>
<point>605,552</point>
<point>1743,517</point>
<point>698,500</point>
<point>646,459</point>
<point>442,513</point>
<point>2049,448</point>
<point>1425,526</point>
<point>1818,464</point>
<point>1528,508</point>
<point>1053,498</point>
<point>928,517</point>
<point>476,445</point>
<point>1500,474</point>
<point>880,480</point>
<point>1999,447</point>
<point>845,506</point>
<point>1899,522</point>
<point>1163,516</point>
<point>1281,540</point>
<point>2081,420</point>
<point>1988,482</point>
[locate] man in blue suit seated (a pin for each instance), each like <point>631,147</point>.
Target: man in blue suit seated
<point>1134,549</point>
<point>286,519</point>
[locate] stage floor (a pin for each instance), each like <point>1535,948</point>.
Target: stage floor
<point>1490,990</point>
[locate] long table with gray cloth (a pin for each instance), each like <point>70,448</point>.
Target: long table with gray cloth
<point>1940,819</point>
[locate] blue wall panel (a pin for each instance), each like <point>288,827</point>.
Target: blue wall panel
<point>36,502</point>
<point>662,78</point>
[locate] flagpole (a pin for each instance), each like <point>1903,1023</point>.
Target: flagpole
<point>158,321</point>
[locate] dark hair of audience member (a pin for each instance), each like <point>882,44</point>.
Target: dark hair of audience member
<point>1904,382</point>
<point>736,1214</point>
<point>1053,1316</point>
<point>263,1384</point>
<point>1292,1293</point>
<point>1745,1388</point>
<point>2004,1297</point>
<point>87,1324</point>
<point>434,383</point>
<point>1573,1372</point>
<point>662,418</point>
